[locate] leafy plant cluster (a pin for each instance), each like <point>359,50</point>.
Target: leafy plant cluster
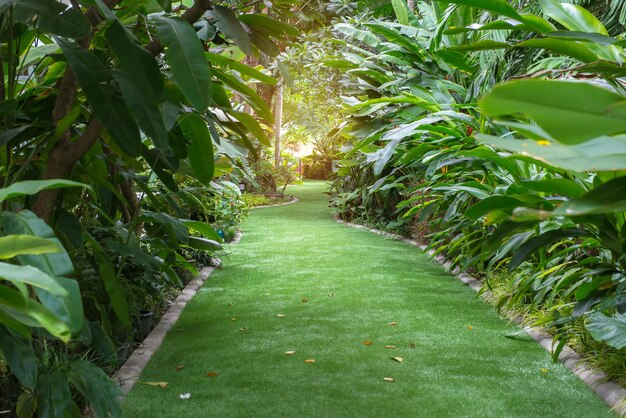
<point>494,130</point>
<point>126,128</point>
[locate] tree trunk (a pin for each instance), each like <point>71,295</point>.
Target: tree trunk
<point>278,116</point>
<point>65,154</point>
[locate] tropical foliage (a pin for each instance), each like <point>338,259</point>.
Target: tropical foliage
<point>126,129</point>
<point>494,130</point>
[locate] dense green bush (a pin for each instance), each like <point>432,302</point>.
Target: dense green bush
<point>524,186</point>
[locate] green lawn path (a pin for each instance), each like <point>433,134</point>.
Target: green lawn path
<point>456,358</point>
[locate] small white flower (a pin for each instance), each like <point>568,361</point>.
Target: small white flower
<point>184,395</point>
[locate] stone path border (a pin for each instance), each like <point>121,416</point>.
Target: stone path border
<point>291,202</point>
<point>610,392</point>
<point>129,373</point>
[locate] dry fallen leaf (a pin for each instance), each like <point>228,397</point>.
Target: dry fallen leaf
<point>179,367</point>
<point>390,346</point>
<point>281,315</point>
<point>412,345</point>
<point>309,361</point>
<point>470,328</point>
<point>304,300</point>
<point>233,318</point>
<point>290,353</point>
<point>212,374</point>
<point>389,379</point>
<point>162,385</point>
<point>398,359</point>
<point>393,324</point>
<point>368,342</point>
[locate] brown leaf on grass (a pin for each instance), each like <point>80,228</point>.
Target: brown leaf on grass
<point>281,315</point>
<point>179,367</point>
<point>389,379</point>
<point>412,345</point>
<point>309,361</point>
<point>290,353</point>
<point>212,374</point>
<point>393,324</point>
<point>368,342</point>
<point>304,300</point>
<point>398,359</point>
<point>162,385</point>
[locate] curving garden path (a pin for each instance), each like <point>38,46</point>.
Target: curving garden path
<point>300,282</point>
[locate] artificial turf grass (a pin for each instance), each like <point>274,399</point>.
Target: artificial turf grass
<point>355,284</point>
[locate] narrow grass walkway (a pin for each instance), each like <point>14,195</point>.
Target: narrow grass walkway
<point>299,281</point>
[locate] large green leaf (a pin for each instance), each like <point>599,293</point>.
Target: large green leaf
<point>561,187</point>
<point>32,313</point>
<point>99,390</point>
<point>68,308</point>
<point>30,187</point>
<point>269,26</point>
<point>27,223</point>
<point>20,357</point>
<point>401,10</point>
<point>398,38</point>
<point>185,56</point>
<point>203,228</point>
<point>109,107</point>
<point>265,44</point>
<point>252,125</point>
<point>503,203</point>
<point>540,241</point>
<point>147,113</point>
<point>606,198</point>
<point>600,154</point>
<point>504,8</point>
<point>610,329</point>
<point>204,244</point>
<point>248,94</point>
<point>243,69</point>
<point>12,245</point>
<point>51,17</point>
<point>200,149</point>
<point>138,65</point>
<point>361,35</point>
<point>572,16</point>
<point>576,18</point>
<point>571,112</point>
<point>111,281</point>
<point>54,398</point>
<point>31,276</point>
<point>560,46</point>
<point>227,23</point>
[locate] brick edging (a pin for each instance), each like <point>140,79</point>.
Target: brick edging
<point>612,393</point>
<point>127,375</point>
<point>291,202</point>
